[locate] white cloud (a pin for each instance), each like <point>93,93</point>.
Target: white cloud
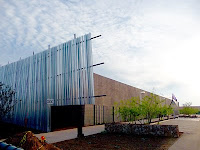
<point>148,44</point>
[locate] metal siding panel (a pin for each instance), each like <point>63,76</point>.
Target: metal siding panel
<point>52,74</point>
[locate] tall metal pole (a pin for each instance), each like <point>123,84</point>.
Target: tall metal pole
<point>81,121</point>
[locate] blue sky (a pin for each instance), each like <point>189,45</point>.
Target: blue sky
<point>149,44</point>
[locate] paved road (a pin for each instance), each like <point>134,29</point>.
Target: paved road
<point>190,139</point>
<point>57,136</point>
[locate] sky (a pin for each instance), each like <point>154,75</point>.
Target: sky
<point>149,44</point>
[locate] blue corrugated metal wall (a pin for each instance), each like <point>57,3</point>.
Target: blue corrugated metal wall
<point>62,73</point>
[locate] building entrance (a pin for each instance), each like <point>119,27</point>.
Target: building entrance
<point>67,116</point>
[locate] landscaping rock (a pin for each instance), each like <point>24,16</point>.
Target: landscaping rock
<point>155,130</point>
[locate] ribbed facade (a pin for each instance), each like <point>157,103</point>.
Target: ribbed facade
<point>63,73</point>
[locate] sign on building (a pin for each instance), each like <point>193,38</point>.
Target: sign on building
<point>50,101</point>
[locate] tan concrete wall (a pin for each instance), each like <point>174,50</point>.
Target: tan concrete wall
<point>116,91</point>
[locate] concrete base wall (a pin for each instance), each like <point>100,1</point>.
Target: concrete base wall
<point>89,115</point>
<point>99,114</point>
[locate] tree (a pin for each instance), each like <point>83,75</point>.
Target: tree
<point>129,109</point>
<point>7,97</point>
<point>134,107</point>
<point>188,110</point>
<point>164,110</point>
<point>167,110</point>
<point>150,107</point>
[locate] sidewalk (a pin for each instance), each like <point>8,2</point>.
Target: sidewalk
<point>190,139</point>
<point>58,136</point>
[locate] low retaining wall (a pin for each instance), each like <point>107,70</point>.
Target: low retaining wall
<point>155,130</point>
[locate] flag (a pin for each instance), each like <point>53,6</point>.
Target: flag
<point>174,97</point>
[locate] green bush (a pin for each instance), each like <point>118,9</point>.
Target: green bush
<point>188,110</point>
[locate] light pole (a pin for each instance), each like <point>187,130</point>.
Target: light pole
<point>143,92</point>
<point>164,100</point>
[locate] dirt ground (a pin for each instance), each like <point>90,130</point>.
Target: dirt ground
<point>104,141</point>
<point>7,130</point>
<point>28,141</point>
